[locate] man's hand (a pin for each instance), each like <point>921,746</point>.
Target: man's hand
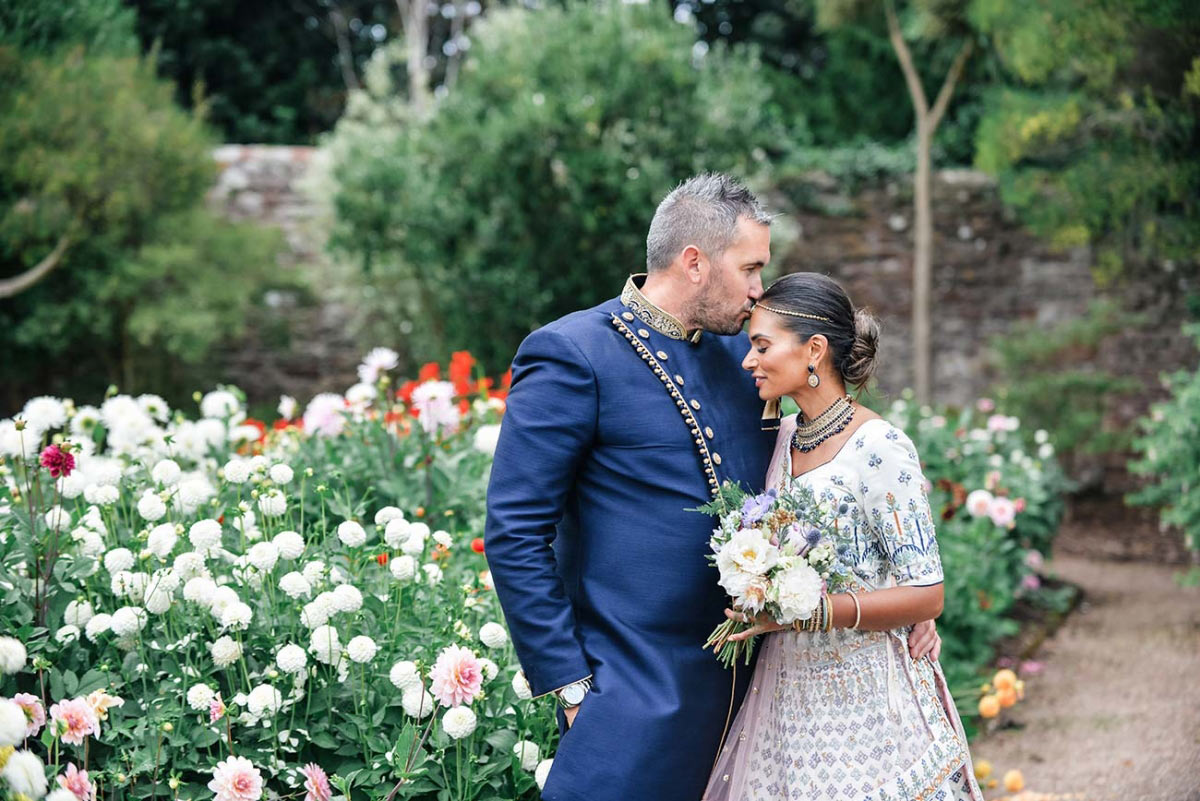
<point>924,640</point>
<point>570,715</point>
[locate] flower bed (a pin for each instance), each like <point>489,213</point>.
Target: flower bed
<point>220,606</point>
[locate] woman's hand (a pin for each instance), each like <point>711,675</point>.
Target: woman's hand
<point>924,640</point>
<point>763,624</point>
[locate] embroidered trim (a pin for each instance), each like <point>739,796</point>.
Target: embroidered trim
<point>706,458</point>
<point>664,323</point>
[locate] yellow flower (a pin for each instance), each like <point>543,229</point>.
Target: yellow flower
<point>5,753</point>
<point>1014,782</point>
<point>1020,688</point>
<point>101,702</point>
<point>989,706</point>
<point>983,769</point>
<point>1007,697</point>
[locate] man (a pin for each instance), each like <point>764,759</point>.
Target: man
<point>620,419</point>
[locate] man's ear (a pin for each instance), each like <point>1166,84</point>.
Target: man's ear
<point>693,264</point>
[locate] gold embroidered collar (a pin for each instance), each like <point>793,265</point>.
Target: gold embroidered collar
<point>661,321</point>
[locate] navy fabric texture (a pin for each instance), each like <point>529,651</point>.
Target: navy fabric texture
<point>599,566</point>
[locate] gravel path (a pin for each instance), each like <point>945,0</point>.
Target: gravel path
<point>1115,715</point>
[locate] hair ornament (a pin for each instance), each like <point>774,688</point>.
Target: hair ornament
<point>793,313</point>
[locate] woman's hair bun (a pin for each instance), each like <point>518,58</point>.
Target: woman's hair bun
<point>859,363</point>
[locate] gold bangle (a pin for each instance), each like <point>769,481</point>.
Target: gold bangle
<point>828,613</point>
<point>857,610</point>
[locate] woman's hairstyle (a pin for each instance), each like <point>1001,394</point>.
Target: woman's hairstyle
<point>811,303</point>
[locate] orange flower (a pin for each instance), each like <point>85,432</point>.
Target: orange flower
<point>983,769</point>
<point>1014,782</point>
<point>989,706</point>
<point>382,559</point>
<point>1007,697</point>
<point>440,552</point>
<point>1004,679</point>
<point>420,511</point>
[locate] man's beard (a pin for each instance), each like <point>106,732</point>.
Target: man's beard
<point>708,314</point>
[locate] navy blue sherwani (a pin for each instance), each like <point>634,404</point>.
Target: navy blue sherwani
<point>618,422</point>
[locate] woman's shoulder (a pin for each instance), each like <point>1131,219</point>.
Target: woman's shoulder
<point>878,439</point>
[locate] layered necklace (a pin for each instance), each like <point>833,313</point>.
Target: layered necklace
<point>811,433</point>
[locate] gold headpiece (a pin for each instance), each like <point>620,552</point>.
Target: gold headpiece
<point>793,313</point>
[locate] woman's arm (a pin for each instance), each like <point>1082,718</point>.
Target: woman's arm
<point>882,610</point>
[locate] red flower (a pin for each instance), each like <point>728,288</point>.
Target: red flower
<point>461,365</point>
<point>282,425</point>
<point>477,545</point>
<point>429,372</point>
<point>58,461</point>
<point>260,425</point>
<point>382,559</point>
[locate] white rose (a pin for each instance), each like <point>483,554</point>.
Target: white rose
<point>403,567</point>
<point>281,474</point>
<point>294,585</point>
<point>396,531</point>
<point>387,514</point>
<point>520,686</point>
<point>361,649</point>
<point>151,507</point>
<point>351,533</point>
<point>542,772</point>
<point>225,651</point>
<point>493,635</point>
<point>166,472</point>
<point>797,590</point>
<point>404,675</point>
<point>417,702</point>
<point>162,539</point>
<point>289,543</point>
<point>25,773</point>
<point>458,722</point>
<point>199,696</point>
<point>291,659</point>
<point>528,753</point>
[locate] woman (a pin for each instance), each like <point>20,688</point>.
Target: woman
<point>845,715</point>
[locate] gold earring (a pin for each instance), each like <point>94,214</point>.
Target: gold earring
<point>814,380</point>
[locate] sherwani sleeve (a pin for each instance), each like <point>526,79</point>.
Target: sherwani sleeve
<point>548,427</point>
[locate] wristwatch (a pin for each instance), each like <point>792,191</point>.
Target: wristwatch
<point>572,695</point>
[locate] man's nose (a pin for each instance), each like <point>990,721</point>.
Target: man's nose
<point>756,288</point>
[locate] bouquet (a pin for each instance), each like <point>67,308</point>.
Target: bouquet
<point>775,552</point>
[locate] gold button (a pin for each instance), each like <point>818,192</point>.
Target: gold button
<point>627,317</point>
<point>661,354</point>
<point>643,333</point>
<point>717,458</point>
<point>708,432</point>
<point>696,405</point>
<point>679,379</point>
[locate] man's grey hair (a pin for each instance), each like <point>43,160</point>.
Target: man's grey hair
<point>702,211</point>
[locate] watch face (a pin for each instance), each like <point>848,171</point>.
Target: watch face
<point>573,695</point>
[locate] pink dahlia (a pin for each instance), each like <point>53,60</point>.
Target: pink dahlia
<point>456,676</point>
<point>216,709</point>
<point>1003,512</point>
<point>58,461</point>
<point>316,783</point>
<point>74,720</point>
<point>35,713</point>
<point>236,779</point>
<point>77,782</point>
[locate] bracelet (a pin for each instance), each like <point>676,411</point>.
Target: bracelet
<point>857,610</point>
<point>828,613</point>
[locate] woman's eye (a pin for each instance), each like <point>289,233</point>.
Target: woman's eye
<point>761,350</point>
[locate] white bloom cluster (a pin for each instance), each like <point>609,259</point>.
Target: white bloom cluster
<point>493,635</point>
<point>528,753</point>
<point>797,589</point>
<point>291,659</point>
<point>361,649</point>
<point>417,702</point>
<point>12,655</point>
<point>404,675</point>
<point>459,722</point>
<point>272,503</point>
<point>225,651</point>
<point>199,696</point>
<point>351,533</point>
<point>325,645</point>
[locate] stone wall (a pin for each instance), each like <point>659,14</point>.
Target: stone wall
<point>989,275</point>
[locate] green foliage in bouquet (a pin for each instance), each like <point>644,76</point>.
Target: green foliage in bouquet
<point>529,187</point>
<point>1169,454</point>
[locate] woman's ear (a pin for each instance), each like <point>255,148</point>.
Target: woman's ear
<point>818,346</point>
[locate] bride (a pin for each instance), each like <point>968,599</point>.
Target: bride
<point>845,713</point>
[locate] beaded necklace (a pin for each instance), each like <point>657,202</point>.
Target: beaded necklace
<point>809,434</point>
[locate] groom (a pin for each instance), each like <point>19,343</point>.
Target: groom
<point>620,418</point>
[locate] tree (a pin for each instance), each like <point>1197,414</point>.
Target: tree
<point>527,191</point>
<point>944,19</point>
<point>1094,139</point>
<point>102,220</point>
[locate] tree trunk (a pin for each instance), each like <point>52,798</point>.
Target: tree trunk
<point>416,42</point>
<point>922,267</point>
